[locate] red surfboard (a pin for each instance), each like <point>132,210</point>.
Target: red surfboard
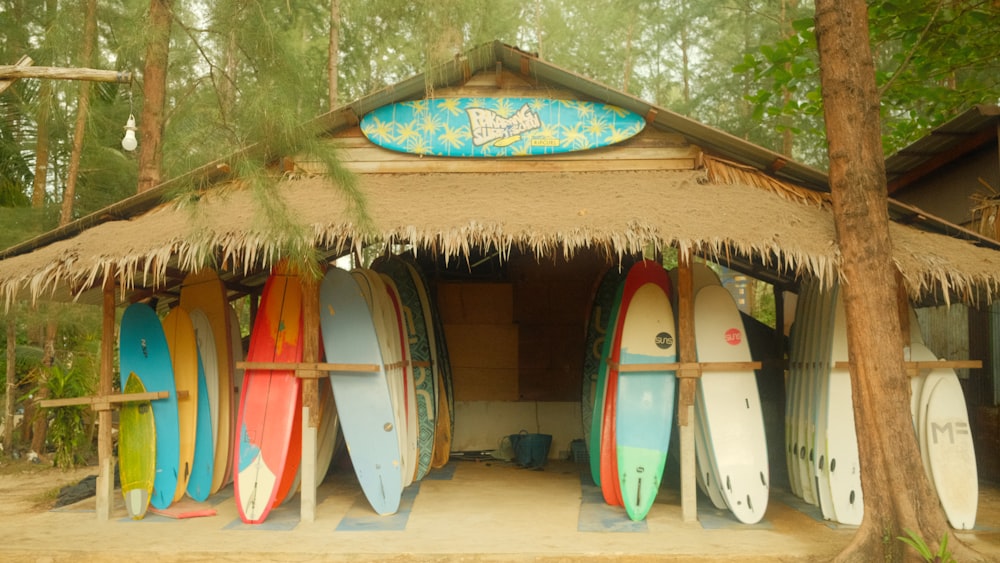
<point>269,441</point>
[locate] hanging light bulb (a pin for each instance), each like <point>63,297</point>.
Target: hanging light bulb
<point>129,142</point>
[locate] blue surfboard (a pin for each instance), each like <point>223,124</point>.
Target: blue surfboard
<point>363,401</point>
<point>203,466</point>
<point>498,127</point>
<point>142,349</point>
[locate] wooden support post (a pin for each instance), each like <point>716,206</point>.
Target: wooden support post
<point>105,460</point>
<point>903,306</point>
<point>688,353</point>
<point>310,395</point>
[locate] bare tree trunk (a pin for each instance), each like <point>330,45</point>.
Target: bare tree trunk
<point>333,53</point>
<point>40,424</point>
<point>154,93</point>
<point>787,138</point>
<point>82,110</point>
<point>42,145</point>
<point>627,67</point>
<point>897,494</point>
<point>11,391</point>
<point>538,28</point>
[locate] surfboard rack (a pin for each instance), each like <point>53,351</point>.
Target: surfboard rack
<point>914,368</point>
<point>312,370</point>
<point>687,369</point>
<point>105,402</point>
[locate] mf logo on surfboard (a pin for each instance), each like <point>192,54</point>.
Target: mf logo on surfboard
<point>488,126</point>
<point>734,336</point>
<point>949,429</point>
<point>664,340</point>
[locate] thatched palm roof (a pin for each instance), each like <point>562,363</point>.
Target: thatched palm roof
<point>545,213</point>
<point>778,220</point>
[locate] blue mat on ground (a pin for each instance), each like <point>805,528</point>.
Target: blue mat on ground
<point>445,473</point>
<point>282,518</point>
<point>712,518</point>
<point>361,518</point>
<point>598,516</point>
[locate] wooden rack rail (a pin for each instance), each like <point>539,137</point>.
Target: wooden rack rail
<point>688,369</point>
<point>104,402</point>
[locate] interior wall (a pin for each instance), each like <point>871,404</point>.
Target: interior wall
<point>516,345</point>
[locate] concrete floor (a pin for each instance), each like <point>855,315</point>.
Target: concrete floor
<point>468,511</point>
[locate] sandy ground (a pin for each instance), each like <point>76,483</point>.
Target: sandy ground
<point>472,511</point>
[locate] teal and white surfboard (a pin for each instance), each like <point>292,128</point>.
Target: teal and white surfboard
<point>498,127</point>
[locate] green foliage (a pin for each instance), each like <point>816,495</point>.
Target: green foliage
<point>933,60</point>
<point>68,427</point>
<point>942,555</point>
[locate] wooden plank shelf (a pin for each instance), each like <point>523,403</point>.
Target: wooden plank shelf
<point>311,366</point>
<point>104,402</point>
<point>691,369</point>
<point>914,368</point>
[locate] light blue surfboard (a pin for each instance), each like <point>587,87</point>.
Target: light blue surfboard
<point>203,466</point>
<point>142,349</point>
<point>498,127</point>
<point>362,397</point>
<point>645,400</point>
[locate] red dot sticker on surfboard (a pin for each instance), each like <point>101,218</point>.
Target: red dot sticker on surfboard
<point>734,336</point>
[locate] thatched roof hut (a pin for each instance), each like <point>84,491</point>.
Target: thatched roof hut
<point>679,183</point>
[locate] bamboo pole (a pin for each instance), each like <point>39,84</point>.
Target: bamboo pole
<point>13,72</point>
<point>105,460</point>
<point>310,395</point>
<point>688,381</point>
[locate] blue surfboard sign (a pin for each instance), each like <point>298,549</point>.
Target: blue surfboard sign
<point>498,127</point>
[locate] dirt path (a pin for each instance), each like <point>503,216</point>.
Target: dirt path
<point>29,488</point>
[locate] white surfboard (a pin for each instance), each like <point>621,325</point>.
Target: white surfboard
<point>820,372</point>
<point>702,275</point>
<point>803,422</point>
<point>735,422</point>
<point>402,344</point>
<point>844,466</point>
<point>946,444</point>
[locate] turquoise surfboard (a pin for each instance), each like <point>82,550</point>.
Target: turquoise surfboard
<point>645,399</point>
<point>142,349</point>
<point>363,401</point>
<point>203,466</point>
<point>498,127</point>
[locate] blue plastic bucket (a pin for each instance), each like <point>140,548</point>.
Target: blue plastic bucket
<point>531,450</point>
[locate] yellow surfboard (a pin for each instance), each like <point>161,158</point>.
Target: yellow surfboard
<point>184,357</point>
<point>136,450</point>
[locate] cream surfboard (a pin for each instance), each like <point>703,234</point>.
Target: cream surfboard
<point>419,353</point>
<point>819,456</point>
<point>203,291</point>
<point>844,466</point>
<point>947,447</point>
<point>734,428</point>
<point>386,327</point>
<point>402,343</point>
